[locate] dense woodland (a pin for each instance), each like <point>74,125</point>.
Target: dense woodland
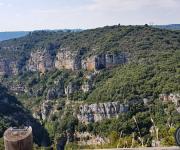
<point>153,68</point>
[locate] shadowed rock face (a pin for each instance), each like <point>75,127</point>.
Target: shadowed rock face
<point>114,59</point>
<point>8,67</point>
<point>98,112</point>
<point>104,60</point>
<point>15,114</point>
<point>40,61</point>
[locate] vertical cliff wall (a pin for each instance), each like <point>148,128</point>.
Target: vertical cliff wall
<point>65,59</point>
<point>40,61</point>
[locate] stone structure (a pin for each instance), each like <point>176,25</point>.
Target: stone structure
<point>97,112</point>
<point>41,61</point>
<point>18,139</point>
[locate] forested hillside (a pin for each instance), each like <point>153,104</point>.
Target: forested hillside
<point>12,113</point>
<point>102,87</point>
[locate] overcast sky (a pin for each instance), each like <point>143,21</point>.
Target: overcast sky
<point>59,14</point>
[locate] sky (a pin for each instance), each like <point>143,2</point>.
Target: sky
<point>27,15</point>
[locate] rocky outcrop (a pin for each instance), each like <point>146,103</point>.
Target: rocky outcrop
<point>172,97</point>
<point>65,59</point>
<point>18,88</point>
<point>41,61</point>
<point>71,88</point>
<point>113,59</point>
<point>97,112</point>
<point>86,138</point>
<point>8,67</point>
<point>86,87</point>
<point>94,62</point>
<point>46,109</point>
<point>104,60</point>
<point>54,93</point>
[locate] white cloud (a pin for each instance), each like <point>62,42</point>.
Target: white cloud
<point>115,5</point>
<point>95,13</point>
<point>1,4</point>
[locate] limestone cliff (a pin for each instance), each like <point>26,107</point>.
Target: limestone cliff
<point>104,60</point>
<point>65,59</point>
<point>97,112</point>
<point>40,61</point>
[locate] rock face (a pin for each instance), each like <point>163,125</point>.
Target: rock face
<point>114,59</point>
<point>46,109</point>
<point>86,87</point>
<point>94,62</point>
<point>18,88</point>
<point>8,67</point>
<point>43,60</point>
<point>98,112</point>
<point>55,93</point>
<point>40,61</point>
<point>71,88</point>
<point>86,138</point>
<point>65,59</point>
<point>175,98</point>
<point>105,60</point>
<point>172,97</point>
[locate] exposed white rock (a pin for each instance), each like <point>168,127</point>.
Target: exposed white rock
<point>97,112</point>
<point>86,138</point>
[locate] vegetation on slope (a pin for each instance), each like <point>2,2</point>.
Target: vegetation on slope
<point>153,68</point>
<point>12,113</point>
